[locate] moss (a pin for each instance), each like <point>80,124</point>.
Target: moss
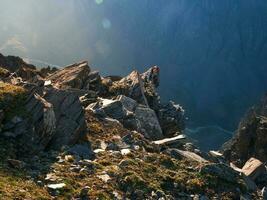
<point>12,99</point>
<point>4,72</point>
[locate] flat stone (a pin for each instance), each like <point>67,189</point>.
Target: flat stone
<point>253,168</point>
<point>189,155</point>
<point>168,141</point>
<point>56,186</point>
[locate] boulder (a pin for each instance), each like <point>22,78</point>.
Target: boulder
<point>43,119</point>
<point>69,114</point>
<point>114,109</point>
<point>253,168</point>
<point>128,103</point>
<point>220,170</point>
<point>171,118</point>
<point>150,126</point>
<point>72,76</point>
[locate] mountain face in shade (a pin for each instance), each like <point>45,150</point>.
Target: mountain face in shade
<point>212,54</point>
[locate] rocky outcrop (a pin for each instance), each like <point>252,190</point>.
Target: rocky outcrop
<point>250,139</point>
<point>132,115</point>
<point>72,76</point>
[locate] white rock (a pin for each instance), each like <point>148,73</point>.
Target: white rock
<point>56,186</point>
<point>125,152</point>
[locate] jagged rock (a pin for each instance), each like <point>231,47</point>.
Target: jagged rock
<point>43,120</point>
<point>221,170</point>
<point>114,109</point>
<point>143,119</point>
<point>150,126</point>
<point>171,118</point>
<point>253,168</point>
<point>128,103</point>
<point>250,139</point>
<point>131,86</point>
<point>69,114</point>
<point>73,76</point>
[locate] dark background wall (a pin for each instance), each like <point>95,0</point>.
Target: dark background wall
<point>212,53</point>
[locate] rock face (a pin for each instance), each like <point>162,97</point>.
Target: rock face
<point>250,139</point>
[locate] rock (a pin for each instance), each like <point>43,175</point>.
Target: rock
<point>179,154</point>
<point>104,177</point>
<point>221,170</point>
<point>253,168</point>
<point>99,151</point>
<point>128,103</point>
<point>250,184</point>
<point>69,158</point>
<point>43,122</point>
<point>51,178</point>
<point>171,118</point>
<point>84,192</point>
<point>13,63</point>
<point>125,152</point>
<point>16,163</point>
<point>114,109</point>
<point>264,193</point>
<point>188,146</point>
<point>170,141</point>
<point>82,150</point>
<point>72,76</point>
<point>131,86</point>
<point>88,98</point>
<point>56,186</point>
<point>70,119</point>
<point>150,126</point>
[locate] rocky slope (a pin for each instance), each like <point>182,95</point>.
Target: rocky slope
<point>72,134</point>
